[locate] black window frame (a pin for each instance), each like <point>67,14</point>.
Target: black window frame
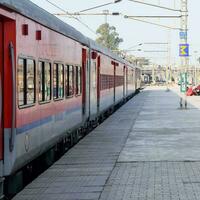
<point>25,59</point>
<point>67,75</point>
<point>57,98</point>
<point>43,101</point>
<point>77,93</point>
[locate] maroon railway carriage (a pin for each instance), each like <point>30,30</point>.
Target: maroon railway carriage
<point>54,82</point>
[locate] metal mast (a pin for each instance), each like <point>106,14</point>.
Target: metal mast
<point>184,50</point>
<point>184,29</point>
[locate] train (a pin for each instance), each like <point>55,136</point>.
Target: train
<point>54,84</point>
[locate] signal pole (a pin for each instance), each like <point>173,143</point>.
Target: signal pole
<point>184,49</point>
<point>184,29</point>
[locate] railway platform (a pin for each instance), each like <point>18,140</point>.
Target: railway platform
<point>149,149</point>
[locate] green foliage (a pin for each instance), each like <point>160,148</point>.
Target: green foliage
<point>131,58</point>
<point>108,37</point>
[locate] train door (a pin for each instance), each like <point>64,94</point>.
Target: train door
<point>84,87</point>
<point>8,28</point>
<point>126,80</point>
<point>98,82</point>
<point>134,79</point>
<point>1,90</point>
<point>124,85</point>
<point>93,85</point>
<point>114,81</point>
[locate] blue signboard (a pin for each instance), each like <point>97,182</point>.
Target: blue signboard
<point>183,35</point>
<point>184,50</point>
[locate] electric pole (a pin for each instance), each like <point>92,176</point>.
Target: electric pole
<point>184,29</point>
<point>184,49</point>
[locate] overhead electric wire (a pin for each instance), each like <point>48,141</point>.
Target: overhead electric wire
<point>148,22</point>
<point>88,14</point>
<point>58,7</point>
<point>154,5</point>
<point>95,7</point>
<point>154,16</point>
<point>99,6</point>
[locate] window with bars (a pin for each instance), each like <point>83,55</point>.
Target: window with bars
<point>58,81</point>
<point>26,82</point>
<point>69,81</point>
<point>44,81</point>
<point>78,80</point>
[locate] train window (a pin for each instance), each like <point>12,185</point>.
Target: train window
<point>26,82</point>
<point>44,76</point>
<point>30,77</point>
<point>58,81</point>
<point>21,80</point>
<point>69,82</point>
<point>94,75</point>
<point>78,80</point>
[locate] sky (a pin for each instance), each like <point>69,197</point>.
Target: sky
<point>135,32</point>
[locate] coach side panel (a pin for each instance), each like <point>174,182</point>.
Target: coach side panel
<point>130,80</point>
<point>119,83</point>
<point>41,121</point>
<point>106,83</point>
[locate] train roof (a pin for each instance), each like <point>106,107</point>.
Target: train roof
<point>34,12</point>
<point>38,14</point>
<point>106,51</point>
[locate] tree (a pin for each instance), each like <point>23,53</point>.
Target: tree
<point>108,37</point>
<point>131,58</point>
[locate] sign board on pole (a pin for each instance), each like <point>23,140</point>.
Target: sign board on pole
<point>184,50</point>
<point>183,35</point>
<point>183,81</point>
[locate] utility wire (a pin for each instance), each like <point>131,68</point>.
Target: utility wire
<point>99,6</point>
<point>154,5</point>
<point>95,7</point>
<point>71,15</point>
<point>148,22</point>
<point>154,16</point>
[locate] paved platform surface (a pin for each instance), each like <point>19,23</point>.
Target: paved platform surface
<point>148,150</point>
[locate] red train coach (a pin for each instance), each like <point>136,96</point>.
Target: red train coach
<point>54,82</point>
